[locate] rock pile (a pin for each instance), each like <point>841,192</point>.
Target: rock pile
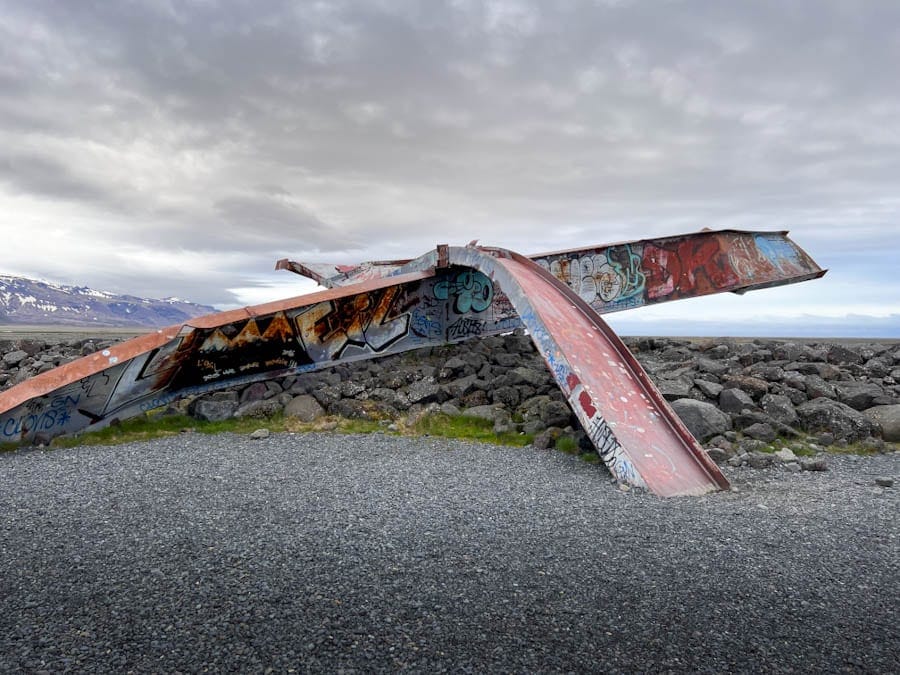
<point>736,396</point>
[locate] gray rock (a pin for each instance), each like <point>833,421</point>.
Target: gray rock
<point>888,417</point>
<point>718,455</point>
<point>529,376</point>
<point>453,367</point>
<point>816,387</point>
<point>779,408</point>
<point>212,410</point>
<point>883,481</point>
<point>258,409</point>
<point>423,392</point>
<point>353,408</point>
<point>747,445</point>
<point>485,412</point>
<point>675,389</point>
<point>879,366</point>
<point>260,434</point>
<point>352,388</point>
<point>255,392</point>
<point>760,460</point>
<point>754,386</point>
<point>710,389</point>
<point>508,396</point>
<point>555,413</point>
<point>844,354</point>
<point>327,395</point>
<point>475,398</point>
<point>14,358</point>
<point>451,409</point>
<point>227,395</point>
<point>712,367</point>
<point>858,395</point>
<point>304,408</point>
<point>822,414</point>
<point>703,420</point>
<point>735,400</point>
<point>462,386</point>
<point>388,396</point>
<point>814,464</point>
<point>506,360</point>
<point>786,455</point>
<point>761,432</point>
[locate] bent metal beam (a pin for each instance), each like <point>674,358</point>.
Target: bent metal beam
<point>445,296</point>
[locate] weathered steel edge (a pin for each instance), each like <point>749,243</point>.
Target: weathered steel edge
<point>479,258</point>
<point>637,371</point>
<point>415,263</point>
<point>43,384</point>
<point>671,237</point>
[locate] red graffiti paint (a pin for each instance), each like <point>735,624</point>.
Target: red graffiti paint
<point>688,268</point>
<point>585,401</point>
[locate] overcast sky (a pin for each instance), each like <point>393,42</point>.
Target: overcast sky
<point>164,148</point>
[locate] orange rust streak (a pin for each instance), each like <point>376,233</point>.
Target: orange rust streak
<point>83,367</point>
<point>231,316</point>
<point>42,384</point>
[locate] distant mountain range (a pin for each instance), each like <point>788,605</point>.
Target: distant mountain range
<point>29,302</point>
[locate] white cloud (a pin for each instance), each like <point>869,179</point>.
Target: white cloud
<point>230,134</point>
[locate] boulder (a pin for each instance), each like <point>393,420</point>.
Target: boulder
<point>258,409</point>
<point>752,385</point>
<point>353,408</point>
<point>485,412</point>
<point>304,408</point>
<point>859,395</point>
<point>779,408</point>
<point>14,358</point>
<point>555,413</point>
<point>710,389</point>
<point>888,417</point>
<point>735,400</point>
<point>761,432</point>
<point>816,387</point>
<point>675,389</point>
<point>703,420</point>
<point>211,410</point>
<point>424,392</point>
<point>823,414</point>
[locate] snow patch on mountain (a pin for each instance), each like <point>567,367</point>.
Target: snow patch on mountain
<point>31,302</point>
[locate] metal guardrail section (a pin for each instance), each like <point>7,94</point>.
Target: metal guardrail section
<point>445,296</point>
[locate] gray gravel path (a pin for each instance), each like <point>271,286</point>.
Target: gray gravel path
<point>373,553</point>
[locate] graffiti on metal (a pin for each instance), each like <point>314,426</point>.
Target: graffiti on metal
<point>450,306</point>
<point>442,297</point>
<point>640,273</point>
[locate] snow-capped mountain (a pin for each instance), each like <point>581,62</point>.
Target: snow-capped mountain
<point>28,302</point>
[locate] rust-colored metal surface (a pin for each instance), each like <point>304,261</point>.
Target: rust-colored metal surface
<point>625,275</point>
<point>636,433</point>
<point>448,295</point>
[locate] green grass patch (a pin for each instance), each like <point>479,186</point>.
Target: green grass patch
<point>590,457</point>
<point>467,428</point>
<point>150,426</point>
<point>567,444</point>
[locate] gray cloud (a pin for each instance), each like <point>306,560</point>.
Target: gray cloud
<point>43,176</point>
<point>355,130</point>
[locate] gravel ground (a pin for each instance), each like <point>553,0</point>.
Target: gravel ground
<point>373,553</point>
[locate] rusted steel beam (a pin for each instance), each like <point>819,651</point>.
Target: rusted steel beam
<point>447,295</point>
<point>613,277</point>
<point>635,431</point>
<point>370,319</point>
